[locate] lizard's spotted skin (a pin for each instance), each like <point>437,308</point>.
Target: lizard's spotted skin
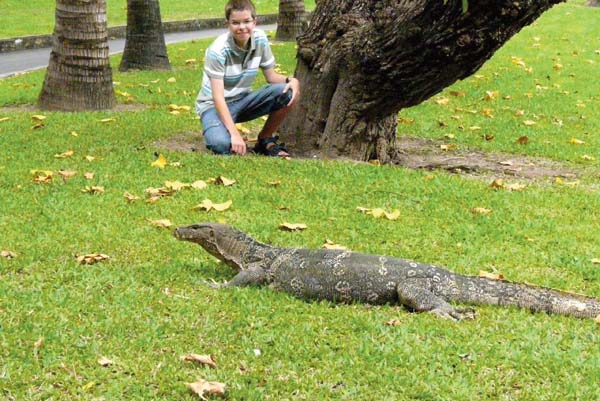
<point>344,276</point>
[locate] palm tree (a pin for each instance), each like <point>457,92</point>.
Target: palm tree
<point>291,20</point>
<point>145,41</point>
<point>79,76</point>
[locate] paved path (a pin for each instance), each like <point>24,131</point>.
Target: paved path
<point>12,63</point>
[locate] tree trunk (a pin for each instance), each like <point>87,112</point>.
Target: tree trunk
<point>362,61</point>
<point>145,47</point>
<point>291,20</point>
<point>594,3</point>
<point>79,76</point>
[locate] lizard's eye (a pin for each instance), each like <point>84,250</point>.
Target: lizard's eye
<point>211,233</point>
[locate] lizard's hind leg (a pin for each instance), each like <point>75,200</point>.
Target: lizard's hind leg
<point>415,295</point>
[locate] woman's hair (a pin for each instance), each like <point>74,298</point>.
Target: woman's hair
<point>239,5</point>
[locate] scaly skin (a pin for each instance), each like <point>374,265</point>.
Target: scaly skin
<point>344,276</point>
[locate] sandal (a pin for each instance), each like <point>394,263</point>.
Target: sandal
<point>270,147</point>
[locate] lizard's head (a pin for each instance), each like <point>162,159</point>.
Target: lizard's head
<point>222,241</point>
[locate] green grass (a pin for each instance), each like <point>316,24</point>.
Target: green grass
<point>36,17</point>
<point>122,309</point>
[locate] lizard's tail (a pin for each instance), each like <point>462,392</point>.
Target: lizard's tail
<point>481,290</point>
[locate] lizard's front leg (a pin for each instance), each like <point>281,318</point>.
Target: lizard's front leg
<point>253,275</point>
<point>415,294</point>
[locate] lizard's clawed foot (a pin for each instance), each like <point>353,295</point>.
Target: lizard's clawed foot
<point>456,314</point>
<point>215,284</point>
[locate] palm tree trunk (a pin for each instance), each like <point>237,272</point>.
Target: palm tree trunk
<point>291,20</point>
<point>79,76</point>
<point>145,41</point>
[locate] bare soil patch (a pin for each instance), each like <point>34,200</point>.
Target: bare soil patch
<point>420,153</point>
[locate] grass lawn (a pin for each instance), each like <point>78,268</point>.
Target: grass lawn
<point>149,304</point>
<point>33,17</point>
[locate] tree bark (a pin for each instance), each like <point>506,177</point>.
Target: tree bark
<point>145,47</point>
<point>594,3</point>
<point>79,76</point>
<point>361,61</point>
<point>291,20</point>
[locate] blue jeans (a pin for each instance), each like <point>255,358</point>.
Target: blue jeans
<point>258,103</point>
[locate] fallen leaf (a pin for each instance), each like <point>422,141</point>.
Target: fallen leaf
<point>38,126</point>
<point>587,157</point>
<point>457,93</point>
<point>201,359</point>
<point>66,174</point>
<point>293,226</point>
<point>8,254</point>
<point>130,197</point>
<point>4,119</point>
<point>595,261</point>
<point>42,176</point>
<point>490,95</point>
<point>158,192</point>
<point>576,141</point>
<point>104,361</point>
<point>529,123</point>
<point>92,258</point>
<point>393,322</point>
<point>442,101</point>
<point>73,133</point>
<point>242,129</point>
<point>523,140</point>
<point>519,113</point>
<point>488,113</point>
<point>163,223</point>
<point>171,80</point>
<point>224,181</point>
<point>507,163</point>
<point>597,319</point>
<point>160,162</point>
<point>332,245</point>
<point>190,61</point>
<point>64,155</point>
<point>405,120</point>
<point>557,67</point>
<point>208,205</point>
<point>481,210</point>
<point>38,117</point>
<point>93,190</point>
<point>447,147</point>
<point>90,158</point>
<point>201,386</point>
<point>491,276</point>
<point>176,185</point>
<point>515,187</point>
<point>497,184</point>
<point>88,175</point>
<point>107,120</point>
<point>200,184</point>
<point>274,183</point>
<point>379,213</point>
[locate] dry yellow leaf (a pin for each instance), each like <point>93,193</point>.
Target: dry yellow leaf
<point>488,112</point>
<point>202,387</point>
<point>576,141</point>
<point>163,223</point>
<point>274,183</point>
<point>174,112</point>
<point>160,162</point>
<point>587,157</point>
<point>64,155</point>
<point>8,254</point>
<point>442,101</point>
<point>208,205</point>
<point>379,213</point>
<point>332,245</point>
<point>88,175</point>
<point>515,187</point>
<point>405,120</point>
<point>449,136</point>
<point>104,361</point>
<point>474,128</point>
<point>66,174</point>
<point>190,61</point>
<point>42,176</point>
<point>38,126</point>
<point>130,197</point>
<point>557,67</point>
<point>158,192</point>
<point>107,120</point>
<point>447,147</point>
<point>520,113</point>
<point>200,184</point>
<point>171,80</point>
<point>393,322</point>
<point>201,359</point>
<point>176,185</point>
<point>92,258</point>
<point>90,158</point>
<point>529,123</point>
<point>491,276</point>
<point>597,319</point>
<point>38,117</point>
<point>595,261</point>
<point>293,226</point>
<point>242,129</point>
<point>490,95</point>
<point>93,190</point>
<point>481,210</point>
<point>225,181</point>
<point>497,183</point>
<point>4,119</point>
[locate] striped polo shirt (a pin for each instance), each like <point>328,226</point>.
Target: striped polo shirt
<point>236,67</point>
